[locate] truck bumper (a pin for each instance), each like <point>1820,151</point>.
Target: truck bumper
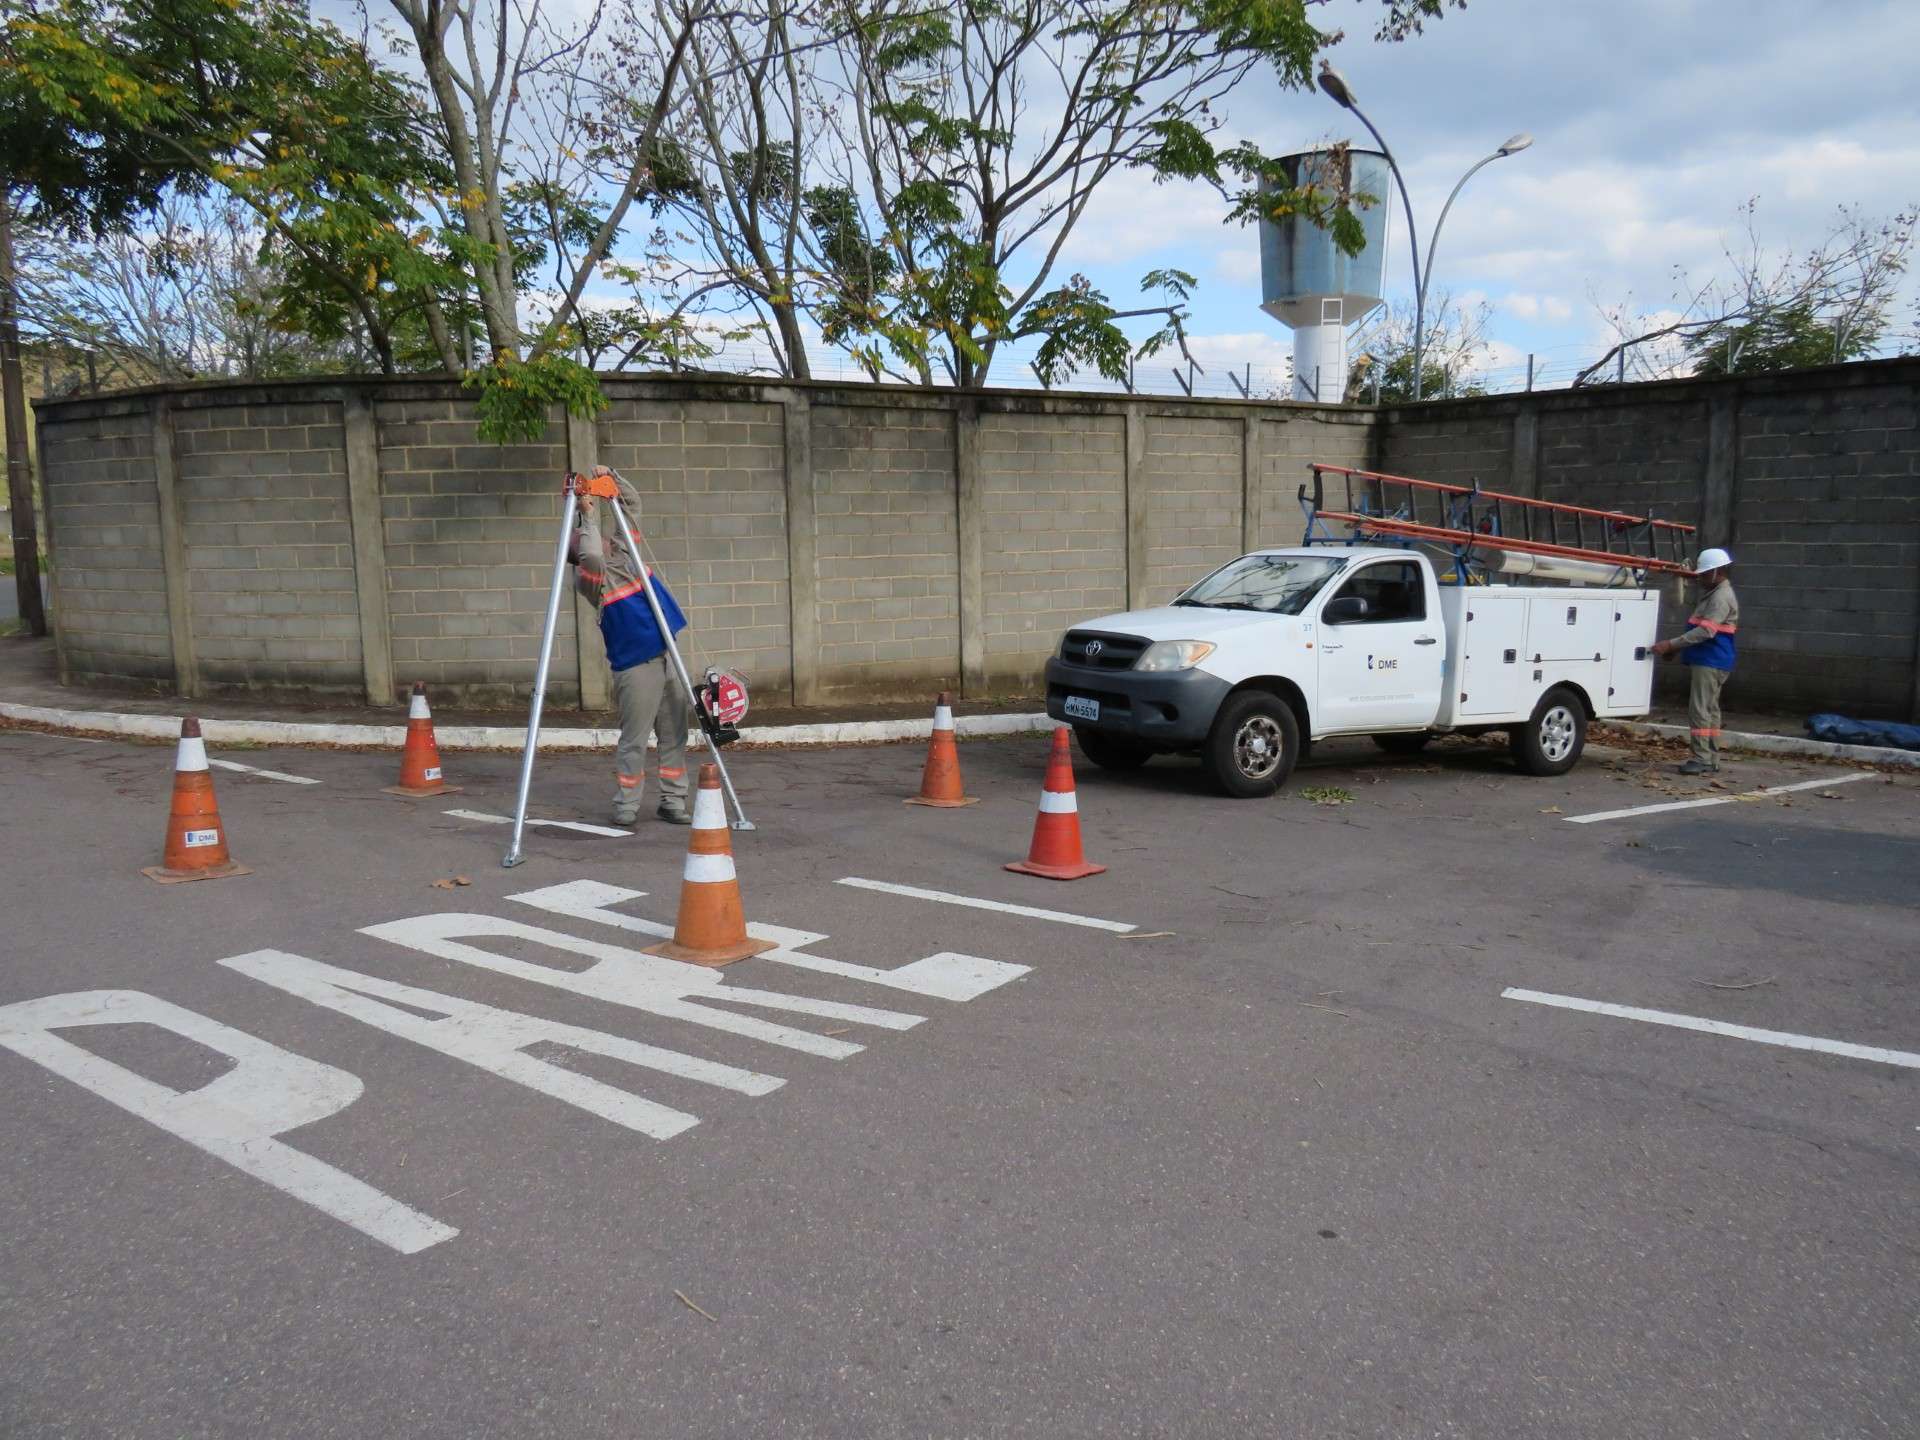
<point>1171,711</point>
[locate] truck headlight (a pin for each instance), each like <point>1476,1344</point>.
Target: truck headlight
<point>1174,655</point>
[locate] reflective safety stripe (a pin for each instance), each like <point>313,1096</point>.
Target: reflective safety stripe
<point>192,754</point>
<point>942,718</point>
<point>1706,733</point>
<point>417,708</point>
<point>1055,802</point>
<point>1714,625</point>
<point>673,772</point>
<point>631,588</point>
<point>627,782</point>
<point>708,869</point>
<point>709,811</point>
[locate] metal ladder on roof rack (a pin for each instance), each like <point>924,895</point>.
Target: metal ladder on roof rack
<point>1397,509</point>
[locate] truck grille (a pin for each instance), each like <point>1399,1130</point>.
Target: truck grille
<point>1110,652</point>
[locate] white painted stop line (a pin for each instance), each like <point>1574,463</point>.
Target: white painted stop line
<point>1707,800</point>
<point>1718,1027</point>
<point>1030,912</point>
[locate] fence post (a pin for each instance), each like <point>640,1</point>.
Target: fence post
<point>1529,374</point>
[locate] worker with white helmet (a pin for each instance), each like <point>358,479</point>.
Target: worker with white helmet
<point>1707,650</point>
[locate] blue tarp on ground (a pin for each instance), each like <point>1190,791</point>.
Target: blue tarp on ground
<point>1839,730</point>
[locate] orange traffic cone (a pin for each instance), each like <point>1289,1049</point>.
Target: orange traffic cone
<point>711,928</point>
<point>1055,852</point>
<point>196,841</point>
<point>940,782</point>
<point>420,775</point>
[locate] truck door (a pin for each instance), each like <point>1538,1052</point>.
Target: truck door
<point>1381,672</point>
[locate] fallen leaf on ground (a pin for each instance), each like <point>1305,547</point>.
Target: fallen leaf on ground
<point>1327,795</point>
<point>1552,810</point>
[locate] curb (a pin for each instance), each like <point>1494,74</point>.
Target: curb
<point>1782,745</point>
<point>496,737</point>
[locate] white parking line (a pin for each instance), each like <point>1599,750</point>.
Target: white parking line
<point>1032,912</point>
<point>263,774</point>
<point>1718,1027</point>
<point>1702,803</point>
<point>580,825</point>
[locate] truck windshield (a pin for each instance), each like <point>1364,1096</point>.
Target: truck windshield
<point>1274,584</point>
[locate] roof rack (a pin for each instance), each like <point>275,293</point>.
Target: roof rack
<point>1464,518</point>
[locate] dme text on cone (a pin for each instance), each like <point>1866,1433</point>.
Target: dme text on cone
<point>420,772</point>
<point>196,847</point>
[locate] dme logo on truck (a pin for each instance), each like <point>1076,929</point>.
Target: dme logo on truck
<point>1383,664</point>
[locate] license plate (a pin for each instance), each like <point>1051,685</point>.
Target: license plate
<point>1081,709</point>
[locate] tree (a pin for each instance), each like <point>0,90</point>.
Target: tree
<point>1455,342</point>
<point>911,189</point>
<point>1762,311</point>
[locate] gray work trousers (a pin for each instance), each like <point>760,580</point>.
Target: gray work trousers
<point>1703,712</point>
<point>649,697</point>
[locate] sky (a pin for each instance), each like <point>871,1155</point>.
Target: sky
<point>1653,122</point>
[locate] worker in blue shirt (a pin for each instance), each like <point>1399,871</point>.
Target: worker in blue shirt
<point>1707,649</point>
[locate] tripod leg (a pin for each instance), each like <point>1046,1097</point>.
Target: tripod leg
<point>679,666</point>
<point>513,856</point>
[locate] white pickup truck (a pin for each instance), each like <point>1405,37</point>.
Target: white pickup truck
<point>1284,647</point>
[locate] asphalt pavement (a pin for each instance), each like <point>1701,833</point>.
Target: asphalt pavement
<point>1267,1148</point>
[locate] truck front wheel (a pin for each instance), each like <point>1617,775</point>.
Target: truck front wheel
<point>1550,743</point>
<point>1111,752</point>
<point>1253,745</point>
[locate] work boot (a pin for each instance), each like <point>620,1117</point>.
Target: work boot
<point>674,814</point>
<point>626,818</point>
<point>1697,767</point>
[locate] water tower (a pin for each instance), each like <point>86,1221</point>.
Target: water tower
<point>1308,284</point>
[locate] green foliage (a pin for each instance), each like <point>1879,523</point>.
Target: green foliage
<point>516,397</point>
<point>1790,338</point>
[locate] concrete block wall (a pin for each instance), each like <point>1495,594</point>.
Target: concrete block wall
<point>711,477</point>
<point>850,541</point>
<point>1193,478</point>
<point>1053,533</point>
<point>1827,533</point>
<point>887,542</point>
<point>262,492</point>
<point>468,531</point>
<point>1287,451</point>
<point>103,527</point>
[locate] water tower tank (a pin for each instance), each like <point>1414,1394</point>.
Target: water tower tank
<point>1309,284</point>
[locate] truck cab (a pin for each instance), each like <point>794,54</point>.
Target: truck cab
<point>1282,647</point>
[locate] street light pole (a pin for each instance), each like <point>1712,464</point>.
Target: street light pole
<point>1336,86</point>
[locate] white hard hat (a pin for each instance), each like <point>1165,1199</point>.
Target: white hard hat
<point>1715,559</point>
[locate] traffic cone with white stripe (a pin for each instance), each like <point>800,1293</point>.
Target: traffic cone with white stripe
<point>196,847</point>
<point>711,928</point>
<point>940,784</point>
<point>1055,852</point>
<point>420,773</point>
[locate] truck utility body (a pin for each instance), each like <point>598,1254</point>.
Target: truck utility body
<point>1341,636</point>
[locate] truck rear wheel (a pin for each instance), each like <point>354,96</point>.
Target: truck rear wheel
<point>1550,743</point>
<point>1111,752</point>
<point>1253,745</point>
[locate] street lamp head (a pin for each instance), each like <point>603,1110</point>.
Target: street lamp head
<point>1515,144</point>
<point>1335,85</point>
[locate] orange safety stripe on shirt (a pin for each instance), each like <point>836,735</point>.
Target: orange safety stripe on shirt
<point>1706,733</point>
<point>632,588</point>
<point>629,781</point>
<point>1716,626</point>
<point>673,772</point>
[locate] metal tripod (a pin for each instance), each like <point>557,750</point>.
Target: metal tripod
<point>513,856</point>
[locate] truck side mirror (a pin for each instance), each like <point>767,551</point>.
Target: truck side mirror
<point>1345,609</point>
